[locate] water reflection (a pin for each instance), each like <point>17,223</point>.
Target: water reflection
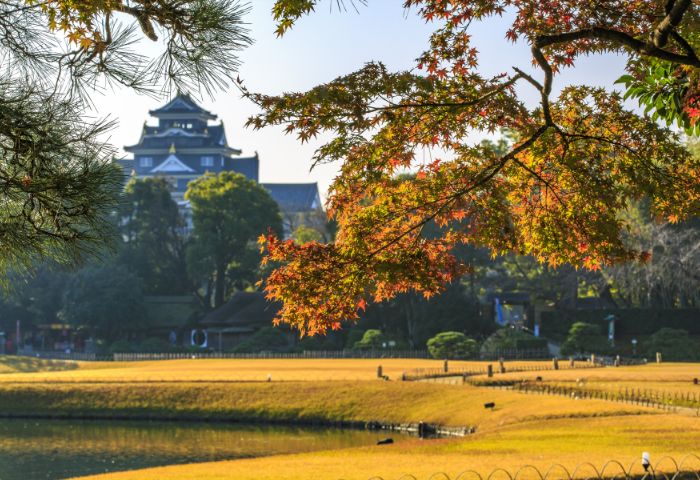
<point>55,449</point>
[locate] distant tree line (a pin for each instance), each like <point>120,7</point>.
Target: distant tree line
<point>154,253</point>
<point>157,253</point>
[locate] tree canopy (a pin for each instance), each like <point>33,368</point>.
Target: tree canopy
<point>556,192</point>
<point>58,181</point>
<point>229,213</point>
<point>154,237</point>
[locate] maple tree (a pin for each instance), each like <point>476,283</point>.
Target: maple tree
<point>557,192</point>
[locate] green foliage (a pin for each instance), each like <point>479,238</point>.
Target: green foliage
<point>660,88</point>
<point>584,338</point>
<point>121,346</point>
<point>371,340</point>
<point>108,300</point>
<point>267,339</point>
<point>413,319</point>
<point>674,344</point>
<point>354,335</point>
<point>229,213</point>
<point>451,345</point>
<point>630,321</point>
<point>58,183</point>
<point>154,244</point>
<point>304,234</point>
<point>510,339</point>
<point>156,345</point>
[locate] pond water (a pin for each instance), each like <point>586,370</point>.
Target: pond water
<point>57,449</point>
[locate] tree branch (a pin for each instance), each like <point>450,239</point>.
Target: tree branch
<point>622,38</point>
<point>672,19</point>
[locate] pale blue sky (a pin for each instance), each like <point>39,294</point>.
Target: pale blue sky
<point>319,48</point>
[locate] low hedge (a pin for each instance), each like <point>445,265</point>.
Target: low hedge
<point>630,321</point>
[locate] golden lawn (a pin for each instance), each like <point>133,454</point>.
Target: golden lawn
<point>522,429</point>
<point>244,370</point>
<point>569,442</point>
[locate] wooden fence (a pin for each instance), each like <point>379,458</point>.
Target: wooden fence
<point>321,354</point>
<point>492,369</point>
<point>635,396</point>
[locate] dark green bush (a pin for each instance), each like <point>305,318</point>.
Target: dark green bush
<point>121,346</point>
<point>630,321</point>
<point>266,339</point>
<point>451,345</point>
<point>155,345</point>
<point>511,339</point>
<point>584,338</point>
<point>371,340</point>
<point>674,344</point>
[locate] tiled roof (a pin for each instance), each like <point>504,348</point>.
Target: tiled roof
<point>152,138</point>
<point>294,197</point>
<point>247,166</point>
<point>182,103</point>
<point>245,309</point>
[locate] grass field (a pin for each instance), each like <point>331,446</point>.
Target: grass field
<point>522,429</point>
<point>214,370</point>
<point>569,442</point>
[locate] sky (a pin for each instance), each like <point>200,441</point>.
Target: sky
<point>319,48</point>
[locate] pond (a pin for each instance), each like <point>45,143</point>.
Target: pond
<point>56,449</point>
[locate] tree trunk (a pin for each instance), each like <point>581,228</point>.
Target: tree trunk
<point>220,285</point>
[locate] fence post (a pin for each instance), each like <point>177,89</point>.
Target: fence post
<point>501,366</point>
<point>489,370</point>
<point>379,372</point>
<point>555,363</point>
<point>445,366</point>
<point>572,362</point>
<point>658,357</point>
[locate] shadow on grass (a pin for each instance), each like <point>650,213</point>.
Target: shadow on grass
<point>18,364</point>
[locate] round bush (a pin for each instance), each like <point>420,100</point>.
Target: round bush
<point>511,339</point>
<point>451,345</point>
<point>674,344</point>
<point>372,339</point>
<point>584,338</point>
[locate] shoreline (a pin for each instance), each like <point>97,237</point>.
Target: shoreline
<point>422,430</point>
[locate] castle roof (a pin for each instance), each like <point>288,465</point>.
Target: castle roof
<point>182,106</point>
<point>295,197</point>
<point>243,310</point>
<point>155,138</point>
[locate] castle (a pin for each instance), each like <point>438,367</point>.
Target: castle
<point>184,146</point>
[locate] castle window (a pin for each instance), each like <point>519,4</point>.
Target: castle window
<point>207,161</point>
<point>145,162</point>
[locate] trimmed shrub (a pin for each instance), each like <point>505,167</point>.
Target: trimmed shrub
<point>451,345</point>
<point>511,339</point>
<point>372,339</point>
<point>630,321</point>
<point>674,344</point>
<point>266,339</point>
<point>584,338</point>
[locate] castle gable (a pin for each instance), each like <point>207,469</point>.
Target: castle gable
<point>172,164</point>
